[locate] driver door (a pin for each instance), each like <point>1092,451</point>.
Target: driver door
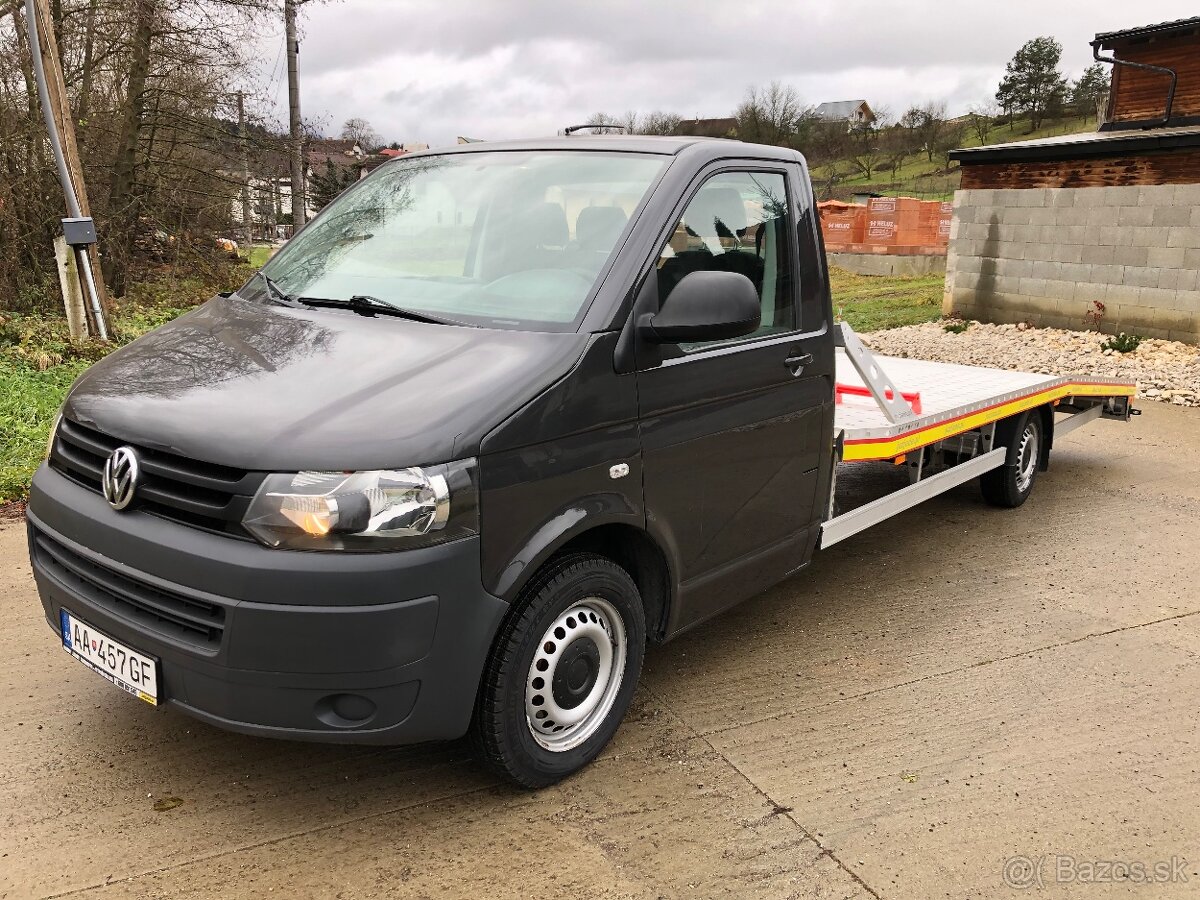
<point>732,431</point>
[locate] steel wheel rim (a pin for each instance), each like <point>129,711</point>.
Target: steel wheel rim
<point>1027,456</point>
<point>556,727</point>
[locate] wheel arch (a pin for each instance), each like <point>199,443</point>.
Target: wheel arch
<point>606,524</point>
<point>635,551</point>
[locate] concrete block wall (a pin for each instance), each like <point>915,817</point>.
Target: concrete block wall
<point>1043,255</point>
<point>888,263</point>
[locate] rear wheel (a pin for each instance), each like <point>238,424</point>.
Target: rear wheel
<point>562,671</point>
<point>1011,484</point>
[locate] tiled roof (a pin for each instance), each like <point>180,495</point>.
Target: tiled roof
<point>838,109</point>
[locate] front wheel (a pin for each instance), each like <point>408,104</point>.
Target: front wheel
<point>1011,484</point>
<point>562,671</point>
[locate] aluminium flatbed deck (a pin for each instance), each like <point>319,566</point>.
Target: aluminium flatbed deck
<point>953,399</point>
<point>889,407</point>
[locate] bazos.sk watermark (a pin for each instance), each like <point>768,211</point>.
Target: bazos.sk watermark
<point>1021,872</point>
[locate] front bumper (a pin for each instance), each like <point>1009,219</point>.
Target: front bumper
<point>380,648</point>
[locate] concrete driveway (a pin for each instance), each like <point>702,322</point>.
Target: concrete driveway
<point>927,702</point>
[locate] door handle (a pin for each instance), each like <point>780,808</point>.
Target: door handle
<point>797,361</point>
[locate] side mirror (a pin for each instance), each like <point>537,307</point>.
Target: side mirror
<point>706,306</point>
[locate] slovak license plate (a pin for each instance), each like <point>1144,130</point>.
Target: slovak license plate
<point>129,670</point>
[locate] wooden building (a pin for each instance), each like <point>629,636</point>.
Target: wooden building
<point>1145,62</point>
<point>1095,227</point>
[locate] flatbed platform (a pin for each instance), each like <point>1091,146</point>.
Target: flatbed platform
<point>953,399</point>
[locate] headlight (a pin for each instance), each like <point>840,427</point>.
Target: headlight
<point>394,509</point>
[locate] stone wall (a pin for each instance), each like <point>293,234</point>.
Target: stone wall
<point>1043,255</point>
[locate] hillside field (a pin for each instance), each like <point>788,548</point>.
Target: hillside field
<point>919,177</point>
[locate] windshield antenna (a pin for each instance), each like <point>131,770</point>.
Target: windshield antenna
<point>598,128</point>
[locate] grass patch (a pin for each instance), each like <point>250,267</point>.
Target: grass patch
<point>258,256</point>
<point>875,302</point>
<point>38,363</point>
<point>29,398</point>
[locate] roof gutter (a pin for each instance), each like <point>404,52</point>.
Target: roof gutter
<point>1161,70</point>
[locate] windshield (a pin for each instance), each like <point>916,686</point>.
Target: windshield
<point>502,239</point>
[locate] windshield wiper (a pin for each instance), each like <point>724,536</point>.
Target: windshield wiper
<point>275,292</point>
<point>366,305</point>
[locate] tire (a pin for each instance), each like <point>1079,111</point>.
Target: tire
<point>571,649</point>
<point>1011,484</point>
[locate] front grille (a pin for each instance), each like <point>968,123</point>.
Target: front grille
<point>186,619</point>
<point>194,493</point>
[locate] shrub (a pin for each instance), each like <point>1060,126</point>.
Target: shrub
<point>1122,343</point>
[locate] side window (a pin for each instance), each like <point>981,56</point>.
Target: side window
<point>737,222</point>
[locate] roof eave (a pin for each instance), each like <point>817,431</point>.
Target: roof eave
<point>1119,142</point>
<point>1104,38</point>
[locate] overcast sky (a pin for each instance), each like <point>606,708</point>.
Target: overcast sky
<point>429,71</point>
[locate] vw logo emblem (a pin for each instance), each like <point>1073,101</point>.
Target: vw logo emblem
<point>120,479</point>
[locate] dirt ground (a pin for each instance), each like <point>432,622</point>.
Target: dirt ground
<point>967,696</point>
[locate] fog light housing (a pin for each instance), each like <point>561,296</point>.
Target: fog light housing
<point>345,710</point>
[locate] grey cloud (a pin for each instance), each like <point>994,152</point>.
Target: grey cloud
<point>429,71</point>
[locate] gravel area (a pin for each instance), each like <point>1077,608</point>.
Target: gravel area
<point>1167,371</point>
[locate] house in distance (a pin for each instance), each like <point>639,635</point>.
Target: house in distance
<point>856,113</point>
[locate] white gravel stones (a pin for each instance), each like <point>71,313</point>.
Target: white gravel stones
<point>1166,371</point>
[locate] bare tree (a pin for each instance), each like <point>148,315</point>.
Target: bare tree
<point>826,142</point>
<point>981,118</point>
<point>659,122</point>
<point>124,203</point>
<point>603,123</point>
<point>896,145</point>
<point>951,138</point>
<point>360,131</point>
<point>926,124</point>
<point>867,144</point>
<point>656,122</point>
<point>770,115</point>
<point>152,86</point>
<point>866,150</point>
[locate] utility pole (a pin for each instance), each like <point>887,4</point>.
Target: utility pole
<point>247,220</point>
<point>297,139</point>
<point>60,125</point>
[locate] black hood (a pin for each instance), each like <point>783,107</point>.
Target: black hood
<point>271,387</point>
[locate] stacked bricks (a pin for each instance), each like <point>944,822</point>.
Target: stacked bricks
<point>889,225</point>
<point>1117,258</point>
<point>893,221</point>
<point>935,222</point>
<point>842,223</point>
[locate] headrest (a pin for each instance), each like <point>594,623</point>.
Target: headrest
<point>598,227</point>
<point>545,224</point>
<point>716,204</point>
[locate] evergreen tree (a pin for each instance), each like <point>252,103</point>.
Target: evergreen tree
<point>1032,84</point>
<point>324,186</point>
<point>1090,92</point>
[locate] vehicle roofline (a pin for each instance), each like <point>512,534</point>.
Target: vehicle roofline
<point>700,147</point>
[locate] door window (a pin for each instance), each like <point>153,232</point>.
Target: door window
<point>737,222</point>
